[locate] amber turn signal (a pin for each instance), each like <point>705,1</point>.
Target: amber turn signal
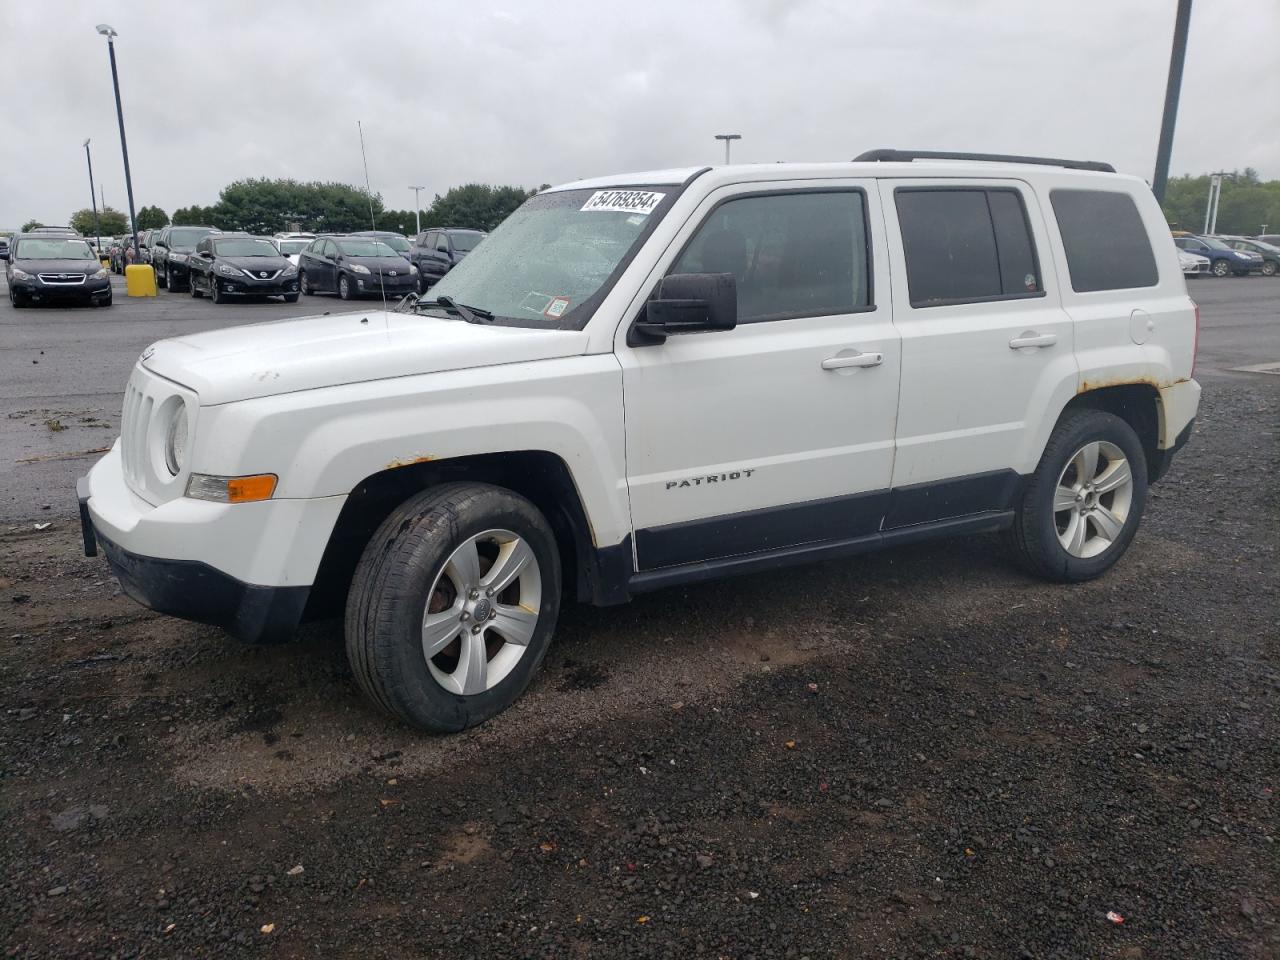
<point>232,489</point>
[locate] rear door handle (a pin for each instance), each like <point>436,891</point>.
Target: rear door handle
<point>853,360</point>
<point>1033,340</point>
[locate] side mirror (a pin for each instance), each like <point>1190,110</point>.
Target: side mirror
<point>5,255</point>
<point>687,303</point>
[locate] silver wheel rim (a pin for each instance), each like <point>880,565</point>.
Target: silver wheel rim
<point>1092,500</point>
<point>481,612</point>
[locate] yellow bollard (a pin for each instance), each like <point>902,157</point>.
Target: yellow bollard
<point>140,280</point>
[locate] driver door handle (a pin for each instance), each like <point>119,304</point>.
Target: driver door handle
<point>1033,340</point>
<point>853,360</point>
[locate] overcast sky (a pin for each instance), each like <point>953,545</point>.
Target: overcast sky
<point>530,92</point>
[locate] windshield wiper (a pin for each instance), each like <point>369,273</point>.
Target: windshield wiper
<point>469,314</point>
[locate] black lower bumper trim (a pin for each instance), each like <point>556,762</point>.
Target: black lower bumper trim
<point>1163,459</point>
<point>86,521</point>
<point>196,591</point>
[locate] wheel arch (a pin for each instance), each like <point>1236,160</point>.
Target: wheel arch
<point>593,574</point>
<point>1137,404</point>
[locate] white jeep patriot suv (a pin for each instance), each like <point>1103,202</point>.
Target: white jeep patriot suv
<point>656,379</point>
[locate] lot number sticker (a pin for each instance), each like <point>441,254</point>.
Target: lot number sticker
<point>642,202</point>
<point>557,307</point>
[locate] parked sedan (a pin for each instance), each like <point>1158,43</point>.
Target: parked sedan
<point>170,252</point>
<point>226,265</point>
<point>1193,265</point>
<point>355,267</point>
<point>1269,253</point>
<point>46,268</point>
<point>1224,260</point>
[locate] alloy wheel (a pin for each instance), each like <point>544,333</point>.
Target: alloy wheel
<point>481,612</point>
<point>1092,499</point>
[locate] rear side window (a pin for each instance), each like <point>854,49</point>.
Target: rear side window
<point>1105,240</point>
<point>799,254</point>
<point>966,245</point>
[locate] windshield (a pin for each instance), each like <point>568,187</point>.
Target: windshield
<point>398,244</point>
<point>366,247</point>
<point>245,248</point>
<point>53,249</point>
<point>553,254</point>
<point>1215,244</point>
<point>186,239</point>
<point>465,241</point>
<point>289,247</point>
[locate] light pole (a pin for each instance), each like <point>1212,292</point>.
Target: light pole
<point>728,138</point>
<point>97,225</point>
<point>417,209</point>
<point>110,34</point>
<point>1211,208</point>
<point>1174,86</point>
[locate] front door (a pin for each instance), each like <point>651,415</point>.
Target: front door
<point>778,433</point>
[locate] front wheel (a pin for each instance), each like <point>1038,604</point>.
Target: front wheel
<point>18,300</point>
<point>191,283</point>
<point>1221,268</point>
<point>215,294</point>
<point>1081,508</point>
<point>453,605</point>
<point>344,288</point>
<point>170,280</point>
<point>162,279</point>
<point>304,284</point>
<point>290,298</point>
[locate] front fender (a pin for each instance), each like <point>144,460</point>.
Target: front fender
<point>324,442</point>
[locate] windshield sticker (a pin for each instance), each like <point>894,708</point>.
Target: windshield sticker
<point>642,202</point>
<point>557,307</point>
<point>536,302</point>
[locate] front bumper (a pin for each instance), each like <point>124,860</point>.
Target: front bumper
<point>252,287</point>
<point>247,568</point>
<point>41,292</point>
<point>394,287</point>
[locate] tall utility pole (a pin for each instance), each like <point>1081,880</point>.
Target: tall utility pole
<point>417,209</point>
<point>1181,21</point>
<point>97,224</point>
<point>110,34</point>
<point>728,138</point>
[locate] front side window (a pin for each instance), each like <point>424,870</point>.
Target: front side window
<point>1105,240</point>
<point>791,254</point>
<point>966,245</point>
<point>548,261</point>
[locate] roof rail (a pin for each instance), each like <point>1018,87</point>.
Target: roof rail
<point>908,155</point>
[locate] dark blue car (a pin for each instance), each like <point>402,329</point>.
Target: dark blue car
<point>1222,259</point>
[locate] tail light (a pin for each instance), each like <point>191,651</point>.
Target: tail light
<point>1195,348</point>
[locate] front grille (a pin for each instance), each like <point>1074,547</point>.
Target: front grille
<point>62,278</point>
<point>133,434</point>
<point>263,274</point>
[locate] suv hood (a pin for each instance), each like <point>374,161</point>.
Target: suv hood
<point>266,359</point>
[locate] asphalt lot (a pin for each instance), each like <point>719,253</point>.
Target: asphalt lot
<point>919,753</point>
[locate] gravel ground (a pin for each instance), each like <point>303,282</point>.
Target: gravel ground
<point>920,753</point>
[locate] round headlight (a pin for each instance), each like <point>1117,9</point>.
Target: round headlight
<point>175,445</point>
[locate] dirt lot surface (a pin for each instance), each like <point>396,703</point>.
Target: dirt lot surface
<point>920,753</point>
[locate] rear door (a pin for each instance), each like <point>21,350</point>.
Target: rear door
<point>987,349</point>
<point>778,433</point>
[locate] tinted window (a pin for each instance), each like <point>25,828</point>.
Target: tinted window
<point>1105,241</point>
<point>798,254</point>
<point>966,245</point>
<point>466,240</point>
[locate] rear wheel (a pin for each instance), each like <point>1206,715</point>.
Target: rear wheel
<point>1270,268</point>
<point>453,605</point>
<point>1081,508</point>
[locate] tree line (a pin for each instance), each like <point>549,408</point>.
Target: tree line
<point>265,206</point>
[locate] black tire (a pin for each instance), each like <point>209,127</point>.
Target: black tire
<point>191,283</point>
<point>304,284</point>
<point>162,279</point>
<point>1221,268</point>
<point>290,298</point>
<point>1034,535</point>
<point>18,300</point>
<point>1270,268</point>
<point>215,294</point>
<point>101,303</point>
<point>344,287</point>
<point>389,596</point>
<point>170,280</point>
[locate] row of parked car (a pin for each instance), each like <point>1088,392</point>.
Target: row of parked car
<point>1225,256</point>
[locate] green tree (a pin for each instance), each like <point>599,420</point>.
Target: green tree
<point>194,215</point>
<point>31,225</point>
<point>475,206</point>
<point>265,206</point>
<point>110,222</point>
<point>151,218</point>
<point>1245,205</point>
<point>401,221</point>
